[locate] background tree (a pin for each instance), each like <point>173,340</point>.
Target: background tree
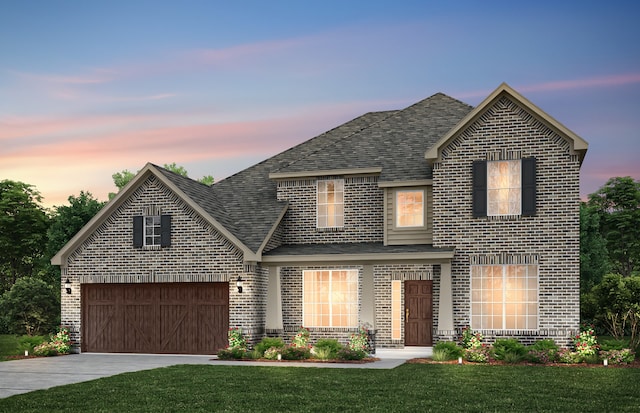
<point>618,205</point>
<point>594,258</point>
<point>66,221</point>
<point>23,228</point>
<point>122,178</point>
<point>30,307</point>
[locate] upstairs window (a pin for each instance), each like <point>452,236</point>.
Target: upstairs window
<point>330,204</point>
<point>409,209</point>
<point>504,188</point>
<point>152,231</point>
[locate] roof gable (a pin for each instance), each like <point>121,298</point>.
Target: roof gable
<point>578,145</point>
<point>191,192</point>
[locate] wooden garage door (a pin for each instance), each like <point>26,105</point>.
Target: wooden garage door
<point>183,318</point>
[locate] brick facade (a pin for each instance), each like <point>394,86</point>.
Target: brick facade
<point>552,235</point>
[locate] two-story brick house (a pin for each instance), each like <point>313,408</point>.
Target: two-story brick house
<point>417,222</point>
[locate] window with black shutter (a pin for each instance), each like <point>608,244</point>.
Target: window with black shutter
<point>152,231</point>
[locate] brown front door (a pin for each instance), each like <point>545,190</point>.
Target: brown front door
<point>185,318</point>
<point>418,313</point>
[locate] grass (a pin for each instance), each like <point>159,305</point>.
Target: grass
<point>410,388</point>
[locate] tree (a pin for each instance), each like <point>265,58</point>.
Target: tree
<point>618,205</point>
<point>31,307</point>
<point>122,178</point>
<point>23,227</point>
<point>66,221</point>
<point>594,259</point>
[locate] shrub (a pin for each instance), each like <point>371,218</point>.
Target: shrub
<point>585,343</point>
<point>347,353</point>
<point>31,307</point>
<point>327,348</point>
<point>45,349</point>
<point>236,339</point>
<point>440,355</point>
<point>470,339</point>
<point>360,341</point>
<point>231,353</point>
<point>613,344</point>
<point>508,348</point>
<point>296,353</point>
<point>449,350</point>
<point>543,351</point>
<point>301,339</point>
<point>269,342</point>
<point>477,354</point>
<point>623,356</point>
<point>28,343</point>
<point>569,357</point>
<point>272,353</point>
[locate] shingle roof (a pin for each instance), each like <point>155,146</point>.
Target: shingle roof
<point>246,204</point>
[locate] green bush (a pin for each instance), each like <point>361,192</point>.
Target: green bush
<point>346,353</point>
<point>267,343</point>
<point>450,349</point>
<point>272,353</point>
<point>231,353</point>
<point>31,307</point>
<point>296,353</point>
<point>613,344</point>
<point>28,343</point>
<point>327,348</point>
<point>508,348</point>
<point>543,351</point>
<point>622,356</point>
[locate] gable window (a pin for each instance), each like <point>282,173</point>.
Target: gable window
<point>409,208</point>
<point>504,297</point>
<point>330,298</point>
<point>151,231</point>
<point>503,188</point>
<point>330,203</point>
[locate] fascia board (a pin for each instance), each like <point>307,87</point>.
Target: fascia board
<point>422,257</point>
<point>324,172</point>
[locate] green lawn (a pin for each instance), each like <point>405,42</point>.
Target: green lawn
<point>408,388</point>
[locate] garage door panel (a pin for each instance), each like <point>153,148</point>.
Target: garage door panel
<point>186,318</point>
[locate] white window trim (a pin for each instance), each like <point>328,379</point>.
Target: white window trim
<point>504,303</point>
<point>396,209</point>
<point>335,216</point>
<point>490,211</point>
<point>356,302</point>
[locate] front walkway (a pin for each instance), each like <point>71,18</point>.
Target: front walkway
<point>22,376</point>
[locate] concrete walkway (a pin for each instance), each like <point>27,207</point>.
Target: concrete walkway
<point>22,376</point>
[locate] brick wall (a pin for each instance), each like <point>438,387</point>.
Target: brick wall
<point>363,212</point>
<point>552,235</point>
<point>198,253</point>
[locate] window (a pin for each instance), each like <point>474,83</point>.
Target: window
<point>504,297</point>
<point>330,197</point>
<point>396,309</point>
<point>409,208</point>
<point>330,298</point>
<point>502,188</point>
<point>152,231</point>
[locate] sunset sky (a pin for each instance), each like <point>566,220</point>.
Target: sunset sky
<point>90,88</point>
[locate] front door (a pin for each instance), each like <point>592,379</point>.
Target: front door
<point>418,320</point>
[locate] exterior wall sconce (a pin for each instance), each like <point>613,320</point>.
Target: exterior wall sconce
<point>67,286</point>
<point>239,284</point>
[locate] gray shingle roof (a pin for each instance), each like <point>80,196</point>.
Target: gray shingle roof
<point>246,204</point>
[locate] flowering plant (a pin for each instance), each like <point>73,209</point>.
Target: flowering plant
<point>59,343</point>
<point>471,339</point>
<point>477,354</point>
<point>624,356</point>
<point>236,339</point>
<point>301,339</point>
<point>360,341</point>
<point>586,343</point>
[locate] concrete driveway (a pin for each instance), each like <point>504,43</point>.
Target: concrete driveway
<point>22,376</point>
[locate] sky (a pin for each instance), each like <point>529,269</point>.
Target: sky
<point>91,88</point>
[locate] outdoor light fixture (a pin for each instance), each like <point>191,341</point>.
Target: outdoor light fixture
<point>239,284</point>
<point>67,285</point>
<point>459,360</point>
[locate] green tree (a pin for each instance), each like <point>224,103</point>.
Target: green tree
<point>30,307</point>
<point>618,205</point>
<point>23,228</point>
<point>594,259</point>
<point>122,178</point>
<point>66,221</point>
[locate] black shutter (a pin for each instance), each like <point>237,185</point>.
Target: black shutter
<point>528,187</point>
<point>479,189</point>
<point>137,232</point>
<point>165,230</point>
